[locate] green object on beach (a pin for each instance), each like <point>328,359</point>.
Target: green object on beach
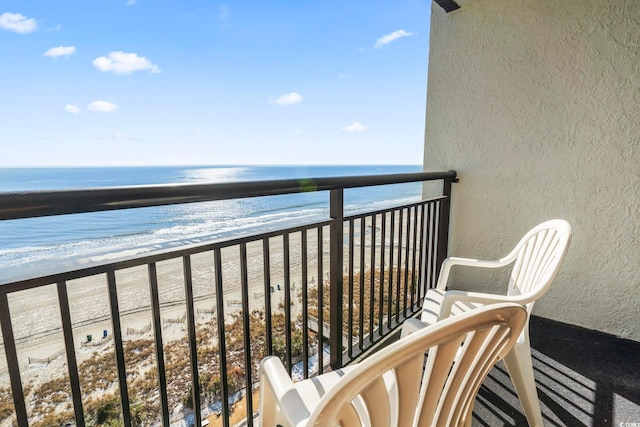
<point>89,338</point>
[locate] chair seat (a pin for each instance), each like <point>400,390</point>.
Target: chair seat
<point>433,301</point>
<point>314,388</point>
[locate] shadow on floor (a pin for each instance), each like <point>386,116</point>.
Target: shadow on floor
<point>584,378</point>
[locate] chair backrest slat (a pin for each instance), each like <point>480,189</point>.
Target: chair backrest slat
<point>408,388</point>
<point>539,256</point>
<point>437,370</point>
<point>377,403</point>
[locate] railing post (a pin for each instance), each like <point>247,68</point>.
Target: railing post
<point>443,226</point>
<point>336,212</point>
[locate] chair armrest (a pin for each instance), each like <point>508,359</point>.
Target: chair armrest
<point>467,262</point>
<point>278,394</point>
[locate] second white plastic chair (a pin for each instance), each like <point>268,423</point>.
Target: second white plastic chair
<point>536,260</point>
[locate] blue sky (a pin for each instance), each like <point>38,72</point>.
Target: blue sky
<point>149,82</point>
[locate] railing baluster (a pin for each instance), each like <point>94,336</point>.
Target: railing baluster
<point>372,272</point>
<point>193,349</point>
<point>438,258</point>
<point>157,331</point>
<point>222,346</point>
<point>361,287</point>
<point>248,364</point>
<point>399,267</point>
<point>351,294</point>
<point>12,362</point>
<point>432,245</point>
<point>407,253</point>
<point>266,265</point>
<point>414,290</point>
<point>69,346</point>
<point>119,349</point>
<point>391,252</point>
<point>421,269</point>
<point>383,264</point>
<point>425,248</point>
<point>287,301</point>
<point>320,300</point>
<point>336,212</point>
<point>381,279</point>
<point>305,304</point>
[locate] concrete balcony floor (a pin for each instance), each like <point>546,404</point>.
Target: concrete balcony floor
<point>584,378</point>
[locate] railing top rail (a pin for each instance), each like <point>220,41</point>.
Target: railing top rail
<point>31,204</point>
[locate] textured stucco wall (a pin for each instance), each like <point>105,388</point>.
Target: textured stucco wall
<point>536,104</point>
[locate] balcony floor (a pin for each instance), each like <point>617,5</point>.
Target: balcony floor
<point>584,378</point>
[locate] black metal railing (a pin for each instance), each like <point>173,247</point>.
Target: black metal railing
<point>186,327</point>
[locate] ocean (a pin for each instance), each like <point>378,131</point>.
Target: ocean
<point>43,245</point>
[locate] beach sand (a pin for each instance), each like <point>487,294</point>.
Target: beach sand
<point>36,315</point>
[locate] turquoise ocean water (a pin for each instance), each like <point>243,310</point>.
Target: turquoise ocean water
<point>69,241</point>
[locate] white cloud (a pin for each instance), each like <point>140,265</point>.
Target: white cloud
<point>288,99</point>
<point>18,23</point>
<point>131,2</point>
<point>71,109</point>
<point>54,52</point>
<point>391,37</point>
<point>102,107</point>
<point>354,127</point>
<point>124,63</point>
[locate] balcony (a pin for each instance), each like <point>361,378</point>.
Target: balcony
<point>128,340</point>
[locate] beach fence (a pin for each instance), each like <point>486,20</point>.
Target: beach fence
<point>89,343</point>
<point>206,311</point>
<point>174,320</point>
<point>141,331</point>
<point>46,360</point>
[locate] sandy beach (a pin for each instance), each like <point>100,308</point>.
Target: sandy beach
<point>36,315</point>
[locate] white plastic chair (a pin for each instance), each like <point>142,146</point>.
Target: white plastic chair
<point>536,260</point>
<point>384,389</point>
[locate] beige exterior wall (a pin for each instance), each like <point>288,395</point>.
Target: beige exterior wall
<point>536,104</point>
